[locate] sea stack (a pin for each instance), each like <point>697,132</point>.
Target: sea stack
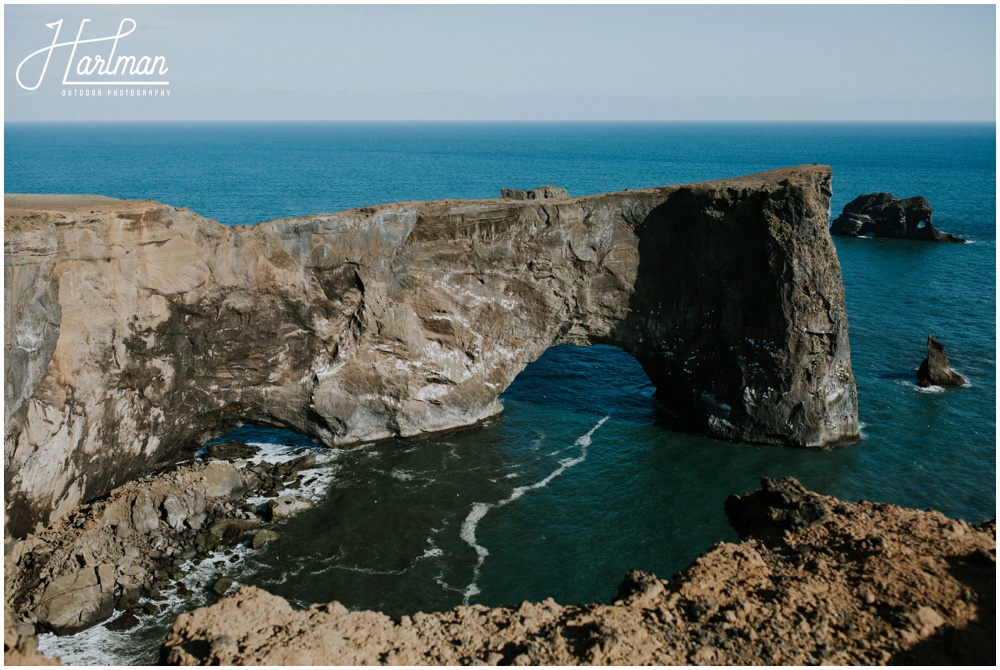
<point>934,370</point>
<point>883,215</point>
<point>136,331</point>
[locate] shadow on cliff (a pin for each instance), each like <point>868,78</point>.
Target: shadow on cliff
<point>703,288</point>
<point>975,643</point>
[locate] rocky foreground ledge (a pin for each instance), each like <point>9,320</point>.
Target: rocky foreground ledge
<point>135,331</point>
<point>815,580</point>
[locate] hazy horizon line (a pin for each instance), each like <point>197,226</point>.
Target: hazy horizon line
<point>519,121</point>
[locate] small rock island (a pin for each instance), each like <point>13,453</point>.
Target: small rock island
<point>883,215</point>
<point>935,370</point>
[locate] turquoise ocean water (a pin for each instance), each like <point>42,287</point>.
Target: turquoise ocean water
<point>577,483</point>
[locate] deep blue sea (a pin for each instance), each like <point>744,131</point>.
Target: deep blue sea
<point>548,500</point>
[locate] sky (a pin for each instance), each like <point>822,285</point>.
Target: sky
<point>517,62</point>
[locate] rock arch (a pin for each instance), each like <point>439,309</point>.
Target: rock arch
<point>135,330</point>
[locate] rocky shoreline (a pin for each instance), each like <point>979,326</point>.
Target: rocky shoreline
<point>815,580</point>
<point>126,552</point>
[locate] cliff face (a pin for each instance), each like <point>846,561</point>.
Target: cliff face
<point>134,330</point>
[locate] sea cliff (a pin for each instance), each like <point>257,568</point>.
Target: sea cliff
<point>134,331</point>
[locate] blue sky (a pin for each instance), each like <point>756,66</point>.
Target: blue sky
<point>662,62</point>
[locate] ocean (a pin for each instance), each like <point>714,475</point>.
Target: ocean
<point>578,482</point>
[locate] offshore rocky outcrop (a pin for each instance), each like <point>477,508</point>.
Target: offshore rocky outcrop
<point>135,331</point>
<point>935,370</point>
<point>814,581</point>
<point>884,215</point>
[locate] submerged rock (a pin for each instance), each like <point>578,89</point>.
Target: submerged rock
<point>263,537</point>
<point>406,319</point>
<point>126,621</point>
<point>934,370</point>
<point>883,215</point>
<point>221,585</point>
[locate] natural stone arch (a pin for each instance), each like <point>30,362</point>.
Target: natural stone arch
<point>141,329</point>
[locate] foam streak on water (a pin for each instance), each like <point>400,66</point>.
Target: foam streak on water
<point>479,510</point>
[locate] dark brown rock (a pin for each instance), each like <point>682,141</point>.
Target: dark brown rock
<point>221,585</point>
<point>934,370</point>
<point>126,621</point>
<point>883,215</point>
<point>230,451</point>
<point>779,506</point>
<point>407,319</point>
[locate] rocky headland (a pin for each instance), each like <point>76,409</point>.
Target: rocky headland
<point>135,331</point>
<point>884,215</point>
<point>814,581</point>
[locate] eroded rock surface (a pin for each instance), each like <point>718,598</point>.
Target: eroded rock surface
<point>884,215</point>
<point>136,330</point>
<point>935,370</point>
<point>136,542</point>
<point>539,193</point>
<point>72,575</point>
<point>856,584</point>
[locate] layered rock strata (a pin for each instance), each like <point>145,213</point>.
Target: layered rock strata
<point>136,330</point>
<point>538,193</point>
<point>815,580</point>
<point>884,215</point>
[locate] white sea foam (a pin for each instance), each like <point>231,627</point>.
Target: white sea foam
<point>479,510</point>
<point>100,646</point>
<point>430,552</point>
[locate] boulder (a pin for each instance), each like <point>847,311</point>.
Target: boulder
<point>286,506</point>
<point>74,602</point>
<point>221,585</point>
<point>883,215</point>
<point>230,451</point>
<point>263,536</point>
<point>126,621</point>
<point>934,370</point>
<point>228,532</point>
<point>292,467</point>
